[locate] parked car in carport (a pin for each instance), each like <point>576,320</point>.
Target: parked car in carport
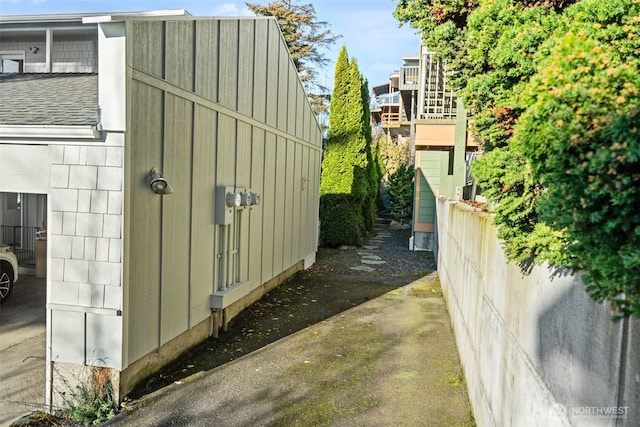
<point>8,272</point>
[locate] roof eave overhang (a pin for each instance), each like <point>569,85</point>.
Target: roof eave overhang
<point>120,16</point>
<point>52,18</point>
<point>49,132</point>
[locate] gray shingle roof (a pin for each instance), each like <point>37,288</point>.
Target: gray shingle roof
<point>49,99</point>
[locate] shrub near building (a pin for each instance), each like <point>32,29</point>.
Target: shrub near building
<point>347,190</point>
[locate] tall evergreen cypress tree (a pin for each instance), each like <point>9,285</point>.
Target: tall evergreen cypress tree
<point>373,171</point>
<point>346,187</point>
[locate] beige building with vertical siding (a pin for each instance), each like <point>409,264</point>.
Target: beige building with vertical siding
<point>135,273</point>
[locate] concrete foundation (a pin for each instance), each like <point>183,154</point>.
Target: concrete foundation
<point>422,241</point>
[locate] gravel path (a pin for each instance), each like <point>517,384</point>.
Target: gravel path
<point>387,244</point>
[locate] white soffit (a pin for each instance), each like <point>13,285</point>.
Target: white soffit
<point>118,16</point>
<point>57,132</point>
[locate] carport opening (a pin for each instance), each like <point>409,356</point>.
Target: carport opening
<point>23,224</point>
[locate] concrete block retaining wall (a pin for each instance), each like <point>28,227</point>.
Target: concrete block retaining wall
<point>536,350</point>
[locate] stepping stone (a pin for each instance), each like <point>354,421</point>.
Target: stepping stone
<point>373,257</point>
<point>384,234</point>
<point>371,247</point>
<point>363,268</point>
<point>364,253</point>
<point>372,261</point>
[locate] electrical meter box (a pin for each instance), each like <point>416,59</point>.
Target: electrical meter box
<point>226,202</point>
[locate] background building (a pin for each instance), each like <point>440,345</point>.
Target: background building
<point>419,104</point>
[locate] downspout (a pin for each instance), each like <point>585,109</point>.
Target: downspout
<point>47,50</point>
<point>48,327</point>
<point>223,259</point>
<point>216,313</point>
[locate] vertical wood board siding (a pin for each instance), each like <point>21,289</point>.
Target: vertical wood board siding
<point>261,75</point>
<point>206,59</point>
<point>148,49</point>
<point>296,192</point>
<point>283,95</point>
<point>226,144</point>
<point>143,225</point>
<point>235,115</point>
<point>176,215</point>
<point>243,180</point>
<point>280,205</point>
<point>269,207</point>
<point>307,220</point>
<point>246,43</point>
<point>292,110</point>
<point>291,209</point>
<point>431,164</point>
<point>273,75</point>
<point>228,64</point>
<point>179,54</point>
<point>257,214</point>
<point>202,218</point>
<point>300,113</point>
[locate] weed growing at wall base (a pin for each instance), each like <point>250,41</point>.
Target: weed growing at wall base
<point>93,402</point>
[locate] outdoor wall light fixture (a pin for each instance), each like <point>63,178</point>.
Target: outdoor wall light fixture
<point>157,182</point>
<point>34,49</point>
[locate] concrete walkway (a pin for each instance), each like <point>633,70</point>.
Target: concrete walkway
<point>391,361</point>
<point>22,350</point>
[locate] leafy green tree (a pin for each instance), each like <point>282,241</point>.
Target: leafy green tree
<point>393,153</point>
<point>347,167</point>
<point>581,133</point>
<point>507,179</point>
<point>401,192</point>
<point>441,22</point>
<point>553,85</point>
